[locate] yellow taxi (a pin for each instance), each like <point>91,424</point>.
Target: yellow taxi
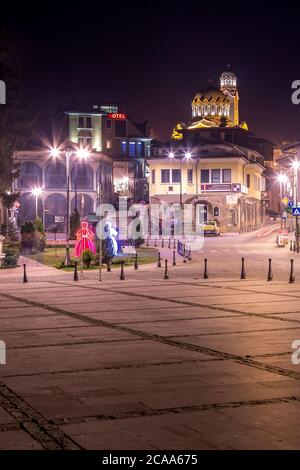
<point>211,228</point>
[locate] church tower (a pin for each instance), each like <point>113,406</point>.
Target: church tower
<point>228,85</point>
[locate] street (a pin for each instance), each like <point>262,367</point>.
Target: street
<point>153,363</point>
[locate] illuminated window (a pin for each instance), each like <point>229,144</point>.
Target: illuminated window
<point>139,147</point>
<point>190,176</point>
<point>108,144</point>
<point>132,149</point>
<point>124,147</point>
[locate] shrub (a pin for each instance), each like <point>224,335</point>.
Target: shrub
<point>11,257</point>
<point>87,257</point>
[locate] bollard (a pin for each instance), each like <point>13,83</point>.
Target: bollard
<point>243,271</point>
<point>174,258</point>
<point>294,246</point>
<point>155,243</point>
<point>270,273</point>
<point>75,278</point>
<point>166,270</point>
<point>108,266</point>
<point>24,275</point>
<point>159,260</point>
<point>190,254</point>
<point>292,273</point>
<point>205,275</point>
<point>136,266</point>
<point>169,244</point>
<point>162,243</point>
<point>291,245</point>
<point>147,244</point>
<point>174,244</point>
<point>122,276</point>
<point>184,254</point>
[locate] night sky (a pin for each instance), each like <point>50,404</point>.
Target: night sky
<point>154,56</point>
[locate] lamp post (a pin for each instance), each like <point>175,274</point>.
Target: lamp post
<point>36,191</point>
<point>282,181</point>
<point>295,166</point>
<point>82,154</point>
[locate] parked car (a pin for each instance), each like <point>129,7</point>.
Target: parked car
<point>211,228</point>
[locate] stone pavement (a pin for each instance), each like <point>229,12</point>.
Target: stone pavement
<point>149,364</point>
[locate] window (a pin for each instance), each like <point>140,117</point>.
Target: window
<point>204,176</point>
<point>227,176</point>
<point>124,146</point>
<point>215,176</point>
<point>165,176</point>
<point>108,123</point>
<point>153,176</point>
<point>190,176</point>
<point>132,149</point>
<point>89,121</point>
<point>108,144</point>
<point>81,121</point>
<point>176,176</point>
<point>139,149</point>
<point>248,181</point>
<point>120,128</point>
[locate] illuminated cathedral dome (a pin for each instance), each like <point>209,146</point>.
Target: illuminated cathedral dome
<point>210,103</point>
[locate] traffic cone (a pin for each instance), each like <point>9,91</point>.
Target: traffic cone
<point>292,273</point>
<point>205,275</point>
<point>243,271</point>
<point>166,270</point>
<point>24,274</point>
<point>270,273</point>
<point>75,278</point>
<point>122,276</point>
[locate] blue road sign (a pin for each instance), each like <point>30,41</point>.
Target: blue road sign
<point>296,210</point>
<point>290,204</point>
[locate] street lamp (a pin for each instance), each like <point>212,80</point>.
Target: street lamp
<point>295,166</point>
<point>36,191</point>
<point>82,154</point>
<point>282,181</point>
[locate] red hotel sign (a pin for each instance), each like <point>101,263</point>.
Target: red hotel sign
<point>117,116</point>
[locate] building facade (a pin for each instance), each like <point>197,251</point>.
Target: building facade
<point>223,182</point>
<point>213,161</point>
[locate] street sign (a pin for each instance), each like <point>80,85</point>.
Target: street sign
<point>59,219</point>
<point>296,210</point>
<point>290,204</point>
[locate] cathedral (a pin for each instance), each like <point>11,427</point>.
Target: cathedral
<point>214,107</point>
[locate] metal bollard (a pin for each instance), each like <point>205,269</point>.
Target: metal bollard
<point>292,273</point>
<point>122,276</point>
<point>205,275</point>
<point>162,243</point>
<point>155,243</point>
<point>136,266</point>
<point>75,278</point>
<point>24,274</point>
<point>108,266</point>
<point>294,246</point>
<point>147,244</point>
<point>174,258</point>
<point>243,271</point>
<point>166,270</point>
<point>270,273</point>
<point>174,244</point>
<point>184,254</point>
<point>190,254</point>
<point>169,244</point>
<point>291,245</point>
<point>159,260</point>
